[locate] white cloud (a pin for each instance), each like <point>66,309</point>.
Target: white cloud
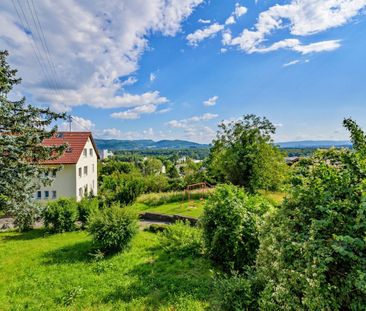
<point>301,18</point>
<point>230,20</point>
<point>294,62</point>
<point>134,113</point>
<point>201,34</point>
<point>186,123</point>
<point>152,77</point>
<point>223,50</point>
<point>211,101</point>
<point>131,80</point>
<point>323,46</point>
<point>78,124</point>
<point>240,10</point>
<point>165,110</point>
<point>204,21</point>
<point>89,56</point>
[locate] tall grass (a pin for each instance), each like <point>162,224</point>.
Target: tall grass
<point>156,199</point>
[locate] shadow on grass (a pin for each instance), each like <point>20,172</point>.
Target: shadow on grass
<point>165,281</point>
<point>24,236</point>
<point>78,252</point>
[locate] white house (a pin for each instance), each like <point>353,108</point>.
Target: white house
<point>78,174</point>
<point>106,154</point>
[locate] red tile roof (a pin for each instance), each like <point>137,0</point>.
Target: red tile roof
<point>75,141</point>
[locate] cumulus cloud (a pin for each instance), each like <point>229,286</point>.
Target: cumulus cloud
<point>78,124</point>
<point>211,101</point>
<point>186,123</point>
<point>201,34</point>
<point>134,113</point>
<point>131,80</point>
<point>301,18</point>
<point>91,56</point>
<point>240,10</point>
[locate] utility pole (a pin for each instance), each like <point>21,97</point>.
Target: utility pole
<point>69,120</point>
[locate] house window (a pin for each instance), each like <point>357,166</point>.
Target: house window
<point>80,171</point>
<point>85,170</point>
<point>54,173</point>
<point>86,189</point>
<point>93,168</point>
<point>80,192</point>
<point>91,152</point>
<point>46,173</point>
<point>93,184</point>
<point>54,194</point>
<point>39,195</point>
<point>85,152</point>
<point>46,194</point>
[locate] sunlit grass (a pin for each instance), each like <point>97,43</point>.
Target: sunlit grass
<point>56,272</point>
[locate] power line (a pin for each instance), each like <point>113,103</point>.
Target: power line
<point>25,24</point>
<point>42,38</point>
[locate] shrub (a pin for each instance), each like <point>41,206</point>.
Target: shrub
<point>235,292</point>
<point>122,188</point>
<point>312,252</point>
<point>60,215</point>
<point>86,208</point>
<point>229,229</point>
<point>181,238</point>
<point>113,228</point>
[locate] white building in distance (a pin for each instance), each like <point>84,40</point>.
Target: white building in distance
<point>78,175</point>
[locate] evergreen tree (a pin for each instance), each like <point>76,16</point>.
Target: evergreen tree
<point>22,130</point>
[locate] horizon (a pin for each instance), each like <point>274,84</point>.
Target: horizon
<point>174,70</point>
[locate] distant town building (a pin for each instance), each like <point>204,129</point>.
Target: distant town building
<point>106,154</point>
<point>78,175</point>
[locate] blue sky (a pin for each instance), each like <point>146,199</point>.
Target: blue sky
<point>174,69</point>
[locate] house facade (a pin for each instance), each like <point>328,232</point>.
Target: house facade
<point>77,174</point>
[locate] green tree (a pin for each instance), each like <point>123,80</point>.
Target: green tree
<point>312,252</point>
<point>243,154</point>
<point>152,166</point>
<point>22,130</point>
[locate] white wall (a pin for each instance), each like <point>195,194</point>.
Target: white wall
<point>64,183</point>
<point>89,179</point>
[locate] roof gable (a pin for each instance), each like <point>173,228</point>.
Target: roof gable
<point>76,142</point>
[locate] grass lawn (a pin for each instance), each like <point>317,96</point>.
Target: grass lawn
<point>193,209</point>
<point>56,272</point>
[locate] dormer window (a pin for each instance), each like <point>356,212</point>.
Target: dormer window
<point>59,135</point>
<point>69,150</point>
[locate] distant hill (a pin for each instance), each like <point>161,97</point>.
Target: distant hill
<point>314,144</point>
<point>115,144</point>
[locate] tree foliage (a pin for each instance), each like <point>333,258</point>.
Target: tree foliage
<point>313,250</point>
<point>244,155</point>
<point>22,129</point>
<point>229,229</point>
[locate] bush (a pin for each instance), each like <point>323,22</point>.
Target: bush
<point>229,229</point>
<point>181,238</point>
<point>235,292</point>
<point>60,215</point>
<point>312,252</point>
<point>86,208</point>
<point>113,228</point>
<point>122,188</point>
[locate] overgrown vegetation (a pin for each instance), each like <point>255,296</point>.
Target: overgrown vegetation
<point>60,215</point>
<point>113,228</point>
<point>230,230</point>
